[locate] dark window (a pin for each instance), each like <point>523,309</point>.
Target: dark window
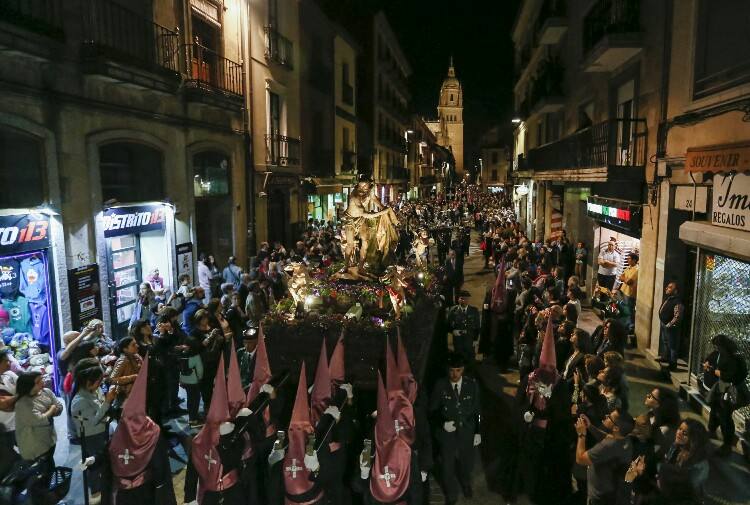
<point>131,172</point>
<point>275,116</point>
<point>345,73</point>
<point>494,175</point>
<point>22,177</point>
<point>495,158</point>
<point>451,99</point>
<point>210,174</point>
<point>722,49</point>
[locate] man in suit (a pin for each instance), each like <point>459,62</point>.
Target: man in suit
<point>453,277</point>
<point>454,406</point>
<point>463,322</point>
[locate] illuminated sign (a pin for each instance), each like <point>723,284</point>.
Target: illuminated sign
<point>23,233</point>
<point>137,219</point>
<point>616,214</point>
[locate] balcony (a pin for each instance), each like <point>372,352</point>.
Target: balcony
<point>552,22</point>
<point>347,93</point>
<point>546,92</point>
<point>212,77</point>
<point>43,17</point>
<point>398,173</point>
<point>612,150</point>
<point>282,151</point>
<point>279,49</point>
<point>124,46</point>
<point>348,161</point>
<point>611,35</point>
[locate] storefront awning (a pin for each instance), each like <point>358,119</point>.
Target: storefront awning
<point>720,158</point>
<point>703,234</point>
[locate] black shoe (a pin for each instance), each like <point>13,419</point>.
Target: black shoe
<point>468,492</point>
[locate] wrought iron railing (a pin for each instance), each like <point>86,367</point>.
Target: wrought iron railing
<point>608,17</point>
<point>113,31</point>
<point>617,142</point>
<point>40,16</point>
<point>279,49</point>
<point>282,151</point>
<point>208,69</point>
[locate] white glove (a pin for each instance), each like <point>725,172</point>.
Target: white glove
<point>349,390</point>
<point>266,388</point>
<point>312,463</point>
<point>244,412</point>
<point>275,456</point>
<point>194,502</point>
<point>477,439</point>
<point>333,412</point>
<point>374,414</point>
<point>424,476</point>
<point>86,463</point>
<point>449,426</point>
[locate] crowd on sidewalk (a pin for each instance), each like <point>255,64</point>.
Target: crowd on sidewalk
<point>576,440</point>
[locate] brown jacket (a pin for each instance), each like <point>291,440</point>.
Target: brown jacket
<point>124,371</point>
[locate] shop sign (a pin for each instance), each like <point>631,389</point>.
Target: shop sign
<point>724,158</point>
<point>185,261</point>
<point>85,302</point>
<point>690,198</point>
<point>731,201</point>
<point>19,233</point>
<point>127,220</point>
<point>621,215</point>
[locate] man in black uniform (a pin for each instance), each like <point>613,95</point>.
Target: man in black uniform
<point>454,406</point>
<point>463,322</point>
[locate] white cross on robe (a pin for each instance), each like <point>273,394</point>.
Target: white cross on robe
<point>387,476</point>
<point>211,461</point>
<point>294,468</point>
<point>126,456</point>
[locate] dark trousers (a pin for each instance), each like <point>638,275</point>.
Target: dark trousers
<point>463,344</point>
<point>94,446</point>
<point>607,500</point>
<point>173,386</point>
<point>193,392</point>
<point>503,341</point>
<point>606,281</point>
<point>456,461</point>
<point>721,417</point>
<point>670,342</point>
<point>39,485</point>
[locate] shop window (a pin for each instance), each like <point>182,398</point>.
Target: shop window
<point>722,305</point>
<point>22,174</point>
<point>131,172</point>
<point>210,174</point>
<point>722,47</point>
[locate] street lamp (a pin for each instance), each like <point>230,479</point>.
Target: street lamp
<point>515,120</point>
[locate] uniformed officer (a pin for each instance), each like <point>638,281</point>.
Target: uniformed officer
<point>454,406</point>
<point>463,322</point>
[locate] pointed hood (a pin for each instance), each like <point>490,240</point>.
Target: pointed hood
<point>262,372</point>
<point>408,383</point>
<point>498,300</point>
<point>320,397</point>
<point>401,408</point>
<point>135,438</point>
<point>389,478</point>
<point>296,477</point>
<point>336,366</point>
<point>548,357</point>
<point>205,455</point>
<point>235,393</point>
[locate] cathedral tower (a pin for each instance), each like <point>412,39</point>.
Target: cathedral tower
<point>451,116</point>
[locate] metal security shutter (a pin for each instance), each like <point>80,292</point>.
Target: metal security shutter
<point>722,305</point>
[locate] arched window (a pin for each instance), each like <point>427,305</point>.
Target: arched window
<point>451,97</point>
<point>131,172</point>
<point>21,170</point>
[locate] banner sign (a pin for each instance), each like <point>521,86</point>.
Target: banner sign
<point>731,201</point>
<point>127,220</point>
<point>25,232</point>
<point>724,158</point>
<point>185,261</point>
<point>85,302</point>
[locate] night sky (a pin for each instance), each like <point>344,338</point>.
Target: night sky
<point>477,33</point>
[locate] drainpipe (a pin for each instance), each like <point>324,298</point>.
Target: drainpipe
<point>248,129</point>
